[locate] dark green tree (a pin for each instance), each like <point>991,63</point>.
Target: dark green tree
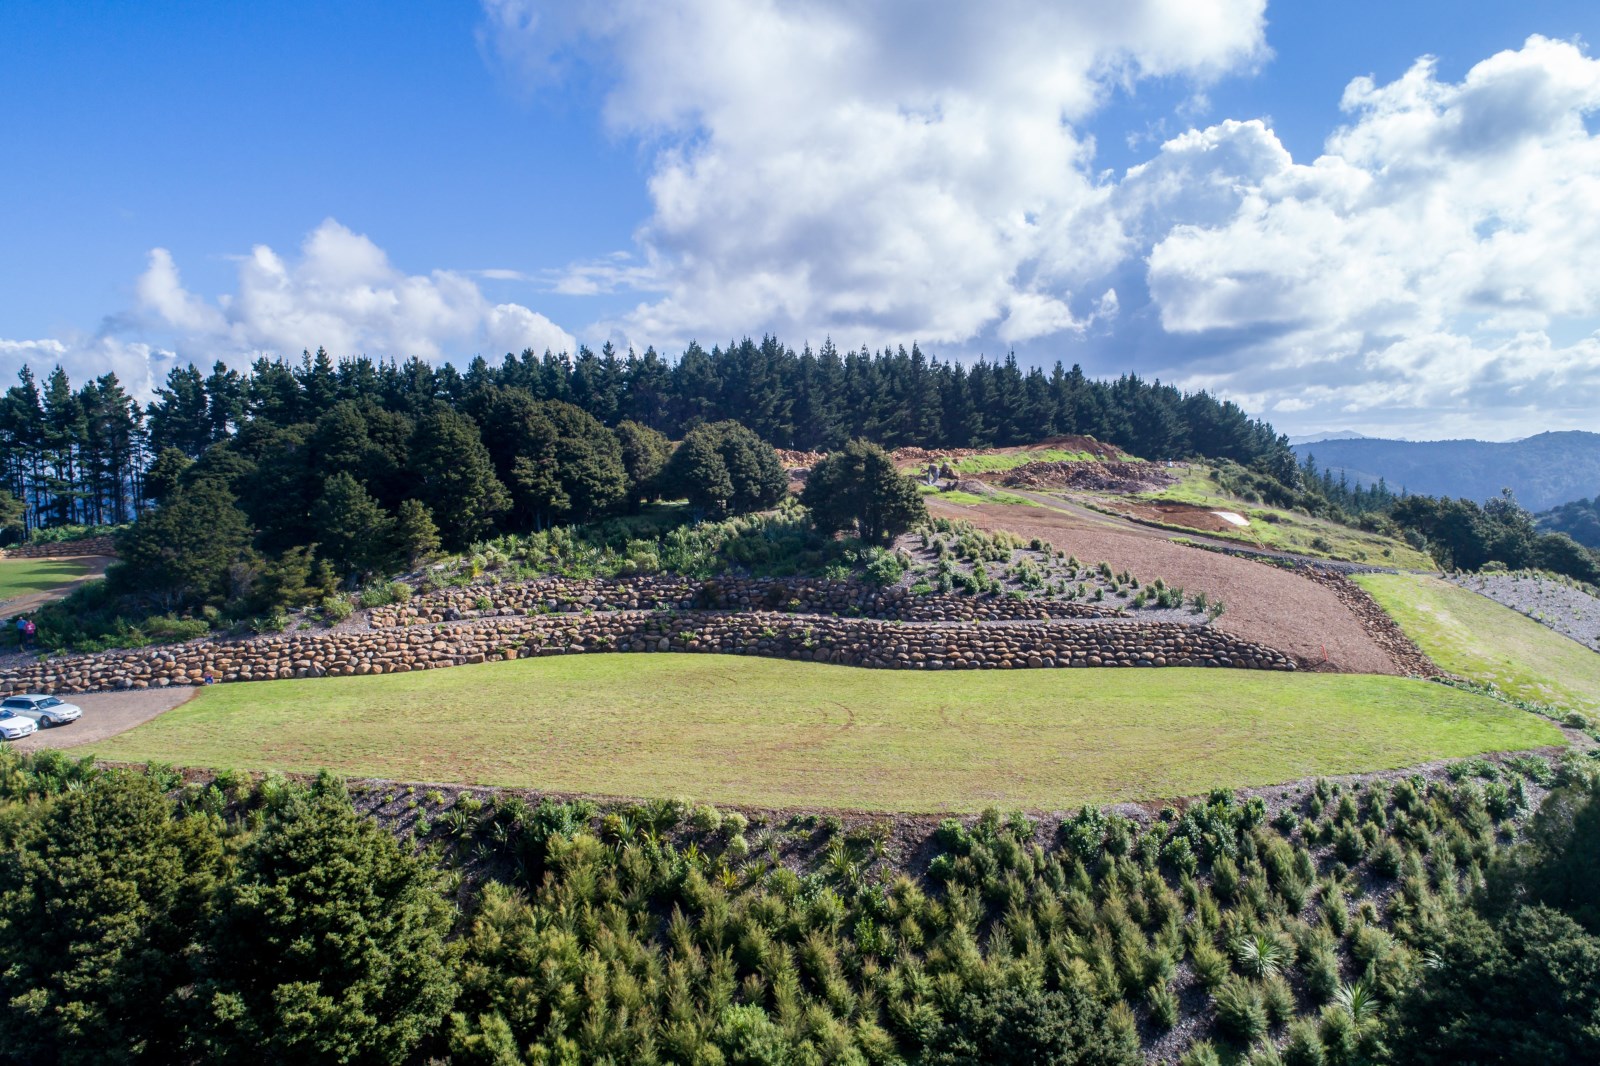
<point>101,896</point>
<point>455,479</point>
<point>181,553</point>
<point>859,488</point>
<point>329,947</point>
<point>415,537</point>
<point>644,453</point>
<point>1526,989</point>
<point>1031,1027</point>
<point>353,532</point>
<point>161,480</point>
<point>723,468</point>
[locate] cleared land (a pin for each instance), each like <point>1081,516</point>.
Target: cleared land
<point>768,732</point>
<point>1264,604</point>
<point>29,577</point>
<point>1471,635</point>
<point>1270,527</point>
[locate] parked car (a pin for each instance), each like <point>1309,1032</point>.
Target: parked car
<point>14,726</point>
<point>45,710</point>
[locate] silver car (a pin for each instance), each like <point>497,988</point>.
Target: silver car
<point>14,726</point>
<point>45,710</point>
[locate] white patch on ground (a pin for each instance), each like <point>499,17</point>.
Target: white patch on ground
<point>1230,517</point>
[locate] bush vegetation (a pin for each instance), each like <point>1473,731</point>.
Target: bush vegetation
<point>149,919</point>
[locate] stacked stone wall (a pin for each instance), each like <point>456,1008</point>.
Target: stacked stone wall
<point>56,549</point>
<point>826,639</point>
<point>794,596</point>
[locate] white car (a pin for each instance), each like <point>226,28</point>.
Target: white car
<point>46,711</point>
<point>14,726</point>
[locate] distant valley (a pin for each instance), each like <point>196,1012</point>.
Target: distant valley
<point>1544,470</point>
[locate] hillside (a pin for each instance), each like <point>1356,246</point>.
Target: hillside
<point>1543,470</point>
<point>1579,519</point>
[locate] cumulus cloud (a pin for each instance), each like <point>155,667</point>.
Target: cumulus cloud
<point>342,293</point>
<point>891,170</point>
<point>1421,264</point>
<point>871,171</point>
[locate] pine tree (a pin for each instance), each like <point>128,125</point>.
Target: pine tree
<point>455,478</point>
<point>415,537</point>
<point>353,531</point>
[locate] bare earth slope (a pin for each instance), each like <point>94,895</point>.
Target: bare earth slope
<point>1274,607</point>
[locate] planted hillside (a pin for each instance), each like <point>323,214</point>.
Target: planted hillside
<point>1399,920</point>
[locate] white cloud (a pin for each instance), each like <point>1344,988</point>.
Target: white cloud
<point>1428,254</point>
<point>342,294</point>
<point>871,171</point>
<point>139,366</point>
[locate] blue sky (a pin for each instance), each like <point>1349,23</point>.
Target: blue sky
<point>1131,191</point>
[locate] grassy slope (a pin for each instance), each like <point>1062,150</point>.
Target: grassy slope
<point>972,498</point>
<point>1292,531</point>
<point>18,577</point>
<point>991,463</point>
<point>770,732</point>
<point>1475,637</point>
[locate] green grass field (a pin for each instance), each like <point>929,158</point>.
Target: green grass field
<point>1471,635</point>
<point>971,498</point>
<point>989,464</point>
<point>19,577</point>
<point>729,729</point>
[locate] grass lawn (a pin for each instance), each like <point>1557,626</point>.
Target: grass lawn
<point>970,498</point>
<point>1471,635</point>
<point>18,577</point>
<point>729,729</point>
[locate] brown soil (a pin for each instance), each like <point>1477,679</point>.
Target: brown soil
<point>1178,514</point>
<point>34,600</point>
<point>1265,604</point>
<point>105,714</point>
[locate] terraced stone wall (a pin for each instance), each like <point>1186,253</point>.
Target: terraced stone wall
<point>795,596</point>
<point>851,641</point>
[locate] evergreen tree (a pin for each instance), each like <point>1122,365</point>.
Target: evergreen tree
<point>860,488</point>
<point>455,479</point>
<point>723,468</point>
<point>644,454</point>
<point>180,553</point>
<point>100,901</point>
<point>329,946</point>
<point>161,480</point>
<point>415,535</point>
<point>353,531</point>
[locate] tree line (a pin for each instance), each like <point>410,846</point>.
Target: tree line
<point>80,456</point>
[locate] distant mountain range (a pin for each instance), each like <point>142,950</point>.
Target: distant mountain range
<point>1543,471</point>
<point>1338,434</point>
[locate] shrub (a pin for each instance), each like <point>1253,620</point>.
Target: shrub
<point>1062,1028</point>
<point>1241,1012</point>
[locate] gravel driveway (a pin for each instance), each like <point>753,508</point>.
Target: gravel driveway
<point>105,714</point>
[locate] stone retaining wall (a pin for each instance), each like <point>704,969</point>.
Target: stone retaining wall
<point>848,641</point>
<point>55,549</point>
<point>793,595</point>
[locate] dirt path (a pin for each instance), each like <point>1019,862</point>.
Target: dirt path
<point>105,714</point>
<point>32,601</point>
<point>1267,605</point>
